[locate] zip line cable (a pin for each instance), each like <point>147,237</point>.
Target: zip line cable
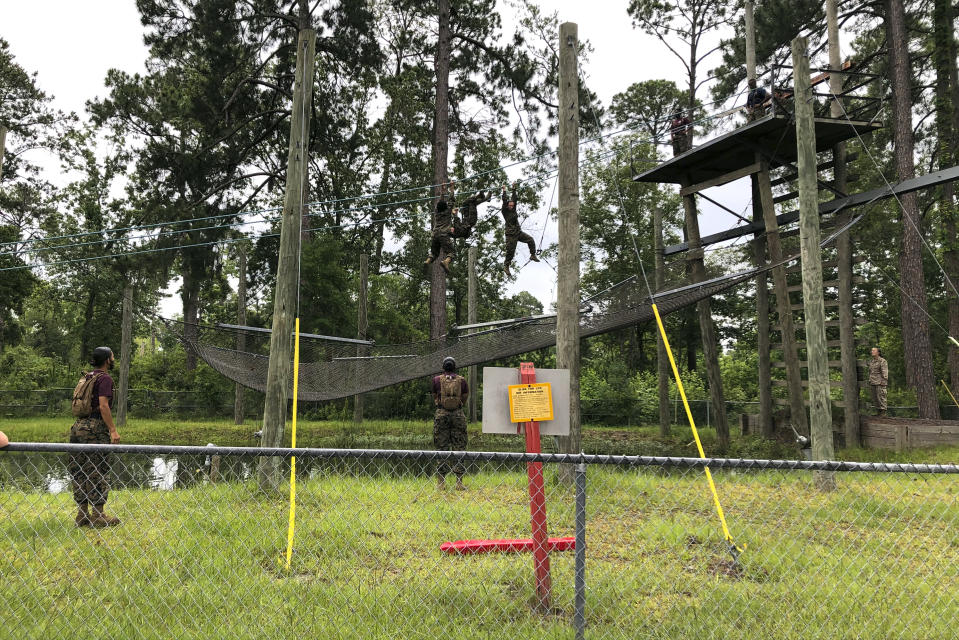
<point>225,241</point>
<point>317,203</point>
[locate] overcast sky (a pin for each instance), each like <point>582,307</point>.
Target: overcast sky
<point>72,44</point>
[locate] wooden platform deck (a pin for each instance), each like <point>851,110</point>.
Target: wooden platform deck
<point>775,134</point>
<point>907,433</point>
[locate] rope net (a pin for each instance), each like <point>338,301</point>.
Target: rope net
<point>331,370</point>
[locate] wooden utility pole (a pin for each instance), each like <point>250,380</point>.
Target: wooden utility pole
<point>441,149</point>
<point>287,271</point>
<point>126,353</point>
<point>817,355</point>
<point>471,319</point>
<point>847,323</point>
<point>241,321</point>
<point>361,326</point>
<point>568,298</point>
<point>797,407</point>
<point>662,361</point>
<point>750,32</point>
<point>763,342</point>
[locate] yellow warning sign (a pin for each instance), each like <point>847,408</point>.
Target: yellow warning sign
<point>530,402</point>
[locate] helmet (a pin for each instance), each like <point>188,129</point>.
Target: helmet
<point>449,364</point>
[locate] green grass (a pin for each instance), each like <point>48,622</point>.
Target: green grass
<point>409,434</point>
<point>877,558</point>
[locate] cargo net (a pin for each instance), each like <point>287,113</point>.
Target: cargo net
<point>332,369</point>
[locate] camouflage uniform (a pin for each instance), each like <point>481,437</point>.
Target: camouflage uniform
<point>513,232</point>
<point>442,224</point>
<point>449,425</point>
<point>90,471</point>
<point>878,381</point>
<point>449,434</point>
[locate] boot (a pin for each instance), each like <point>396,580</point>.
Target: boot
<point>99,519</point>
<point>429,261</point>
<point>446,263</point>
<point>533,258</point>
<point>83,516</point>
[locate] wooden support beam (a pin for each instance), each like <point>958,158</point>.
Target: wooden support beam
<point>720,180</point>
<point>826,164</point>
<point>830,283</point>
<point>831,206</point>
<point>471,299</point>
<point>783,305</point>
<point>833,364</point>
<point>662,358</point>
<point>834,384</point>
<point>361,326</point>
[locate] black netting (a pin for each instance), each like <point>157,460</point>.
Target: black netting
<point>330,370</point>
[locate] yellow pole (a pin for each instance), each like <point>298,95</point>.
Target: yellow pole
<point>699,445</point>
<point>949,391</point>
<point>296,381</point>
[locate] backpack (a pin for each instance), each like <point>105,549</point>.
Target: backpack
<point>451,392</point>
<point>82,405</point>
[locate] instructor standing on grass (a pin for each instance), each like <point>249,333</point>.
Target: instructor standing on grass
<point>94,425</point>
<point>449,424</point>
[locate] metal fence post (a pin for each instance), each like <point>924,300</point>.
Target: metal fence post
<point>579,617</point>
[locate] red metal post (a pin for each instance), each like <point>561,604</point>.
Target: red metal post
<point>537,502</point>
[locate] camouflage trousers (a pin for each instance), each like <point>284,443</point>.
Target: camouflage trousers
<point>440,241</point>
<point>449,434</point>
<point>90,471</point>
<point>878,397</point>
<point>512,237</point>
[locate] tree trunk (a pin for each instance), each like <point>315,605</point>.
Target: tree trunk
<point>441,142</point>
<point>915,324</point>
<point>238,409</point>
<point>126,354</point>
<point>85,337</point>
<point>947,126</point>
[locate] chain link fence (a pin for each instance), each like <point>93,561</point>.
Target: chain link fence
<point>830,550</point>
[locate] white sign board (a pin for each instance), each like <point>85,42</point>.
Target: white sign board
<point>496,382</point>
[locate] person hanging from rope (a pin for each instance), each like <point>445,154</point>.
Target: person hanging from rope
<point>463,228</point>
<point>755,101</point>
<point>679,128</point>
<point>443,229</point>
<point>513,232</point>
